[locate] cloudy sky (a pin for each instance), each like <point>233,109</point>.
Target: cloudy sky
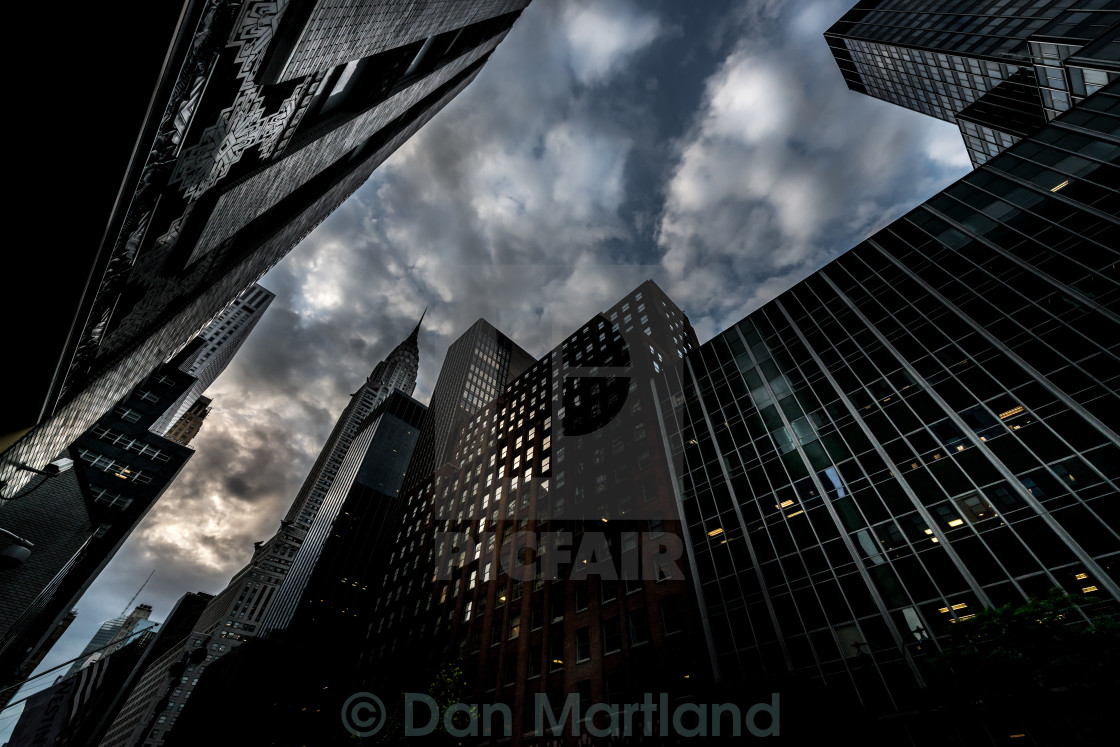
<point>710,146</point>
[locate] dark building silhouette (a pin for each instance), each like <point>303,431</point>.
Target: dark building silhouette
<point>64,517</point>
<point>366,455</point>
<point>70,711</point>
<point>335,563</point>
<point>251,122</point>
<point>999,70</point>
<point>573,448</point>
<point>120,726</point>
<point>78,520</point>
<point>476,368</point>
<point>923,429</point>
<point>79,708</point>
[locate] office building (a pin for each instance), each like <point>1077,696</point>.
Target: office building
<point>921,430</point>
<point>187,427</point>
<point>77,520</point>
<point>155,675</point>
<point>112,635</point>
<point>924,428</point>
<point>573,447</point>
<point>478,365</point>
<point>367,452</point>
<point>221,339</point>
<point>242,125</point>
<point>999,70</point>
<point>368,486</point>
<point>71,710</point>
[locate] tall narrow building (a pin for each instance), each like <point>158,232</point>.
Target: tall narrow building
<point>221,339</point>
<point>999,70</point>
<point>247,124</point>
<point>112,635</point>
<point>396,372</point>
<point>369,482</point>
<point>369,445</point>
<point>477,366</point>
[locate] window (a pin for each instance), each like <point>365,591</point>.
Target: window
<point>556,603</point>
<point>671,617</point>
<point>974,507</point>
<point>612,636</point>
<point>639,627</point>
<point>514,626</point>
<point>850,640</point>
<point>100,495</point>
<point>533,667</point>
<point>583,645</point>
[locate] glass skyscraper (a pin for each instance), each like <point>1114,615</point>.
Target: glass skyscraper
<point>924,428</point>
<point>999,69</point>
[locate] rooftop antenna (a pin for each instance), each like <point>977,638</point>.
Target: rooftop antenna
<point>130,601</point>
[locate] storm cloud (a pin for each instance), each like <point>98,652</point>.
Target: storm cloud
<point>712,147</point>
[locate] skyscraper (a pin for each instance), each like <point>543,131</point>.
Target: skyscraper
<point>368,448</point>
<point>396,372</point>
<point>72,710</point>
<point>261,118</point>
<point>369,481</point>
<point>221,339</point>
<point>78,520</point>
<point>476,368</point>
<point>65,517</point>
<point>574,446</point>
<point>998,69</point>
<point>923,429</point>
<point>112,635</point>
<point>162,666</point>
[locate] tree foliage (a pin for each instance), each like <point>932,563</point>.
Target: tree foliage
<point>1039,662</point>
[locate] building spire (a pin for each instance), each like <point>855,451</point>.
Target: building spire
<point>416,331</point>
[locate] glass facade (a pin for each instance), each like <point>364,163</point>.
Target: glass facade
<point>924,428</point>
<point>997,68</point>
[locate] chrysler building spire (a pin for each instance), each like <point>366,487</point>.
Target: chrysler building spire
<point>398,370</point>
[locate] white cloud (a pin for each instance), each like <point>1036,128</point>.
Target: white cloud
<point>603,35</point>
<point>783,169</point>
